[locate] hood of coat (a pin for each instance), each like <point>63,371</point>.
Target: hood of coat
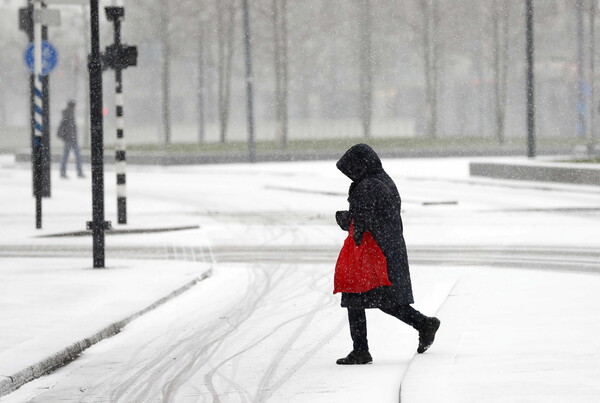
<point>359,161</point>
<point>70,108</point>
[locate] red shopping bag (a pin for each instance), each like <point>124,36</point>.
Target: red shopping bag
<point>360,268</point>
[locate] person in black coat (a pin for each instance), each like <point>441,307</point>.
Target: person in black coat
<point>374,206</point>
<point>67,131</point>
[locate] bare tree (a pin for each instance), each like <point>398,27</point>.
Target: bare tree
<point>430,48</point>
<point>202,18</point>
<point>226,12</point>
<point>500,20</point>
<point>165,70</point>
<point>366,65</point>
<point>592,136</point>
<point>279,15</point>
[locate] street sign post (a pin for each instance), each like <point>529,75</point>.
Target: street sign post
<point>34,20</point>
<point>49,57</point>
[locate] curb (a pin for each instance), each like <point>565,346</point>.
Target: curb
<point>167,159</point>
<point>412,361</point>
<point>13,382</point>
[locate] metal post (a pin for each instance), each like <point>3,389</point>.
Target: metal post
<point>249,78</point>
<point>97,225</point>
<point>120,148</point>
<point>120,153</point>
<point>26,25</point>
<point>38,118</point>
<point>530,80</point>
<point>46,158</point>
<point>119,57</point>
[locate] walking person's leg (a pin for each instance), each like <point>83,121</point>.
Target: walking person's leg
<point>358,331</point>
<point>77,152</point>
<point>425,325</point>
<point>406,314</point>
<point>65,158</point>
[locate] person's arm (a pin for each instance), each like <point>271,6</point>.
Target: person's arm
<point>363,211</point>
<point>343,219</point>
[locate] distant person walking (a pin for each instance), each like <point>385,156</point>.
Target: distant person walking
<point>372,269</point>
<point>67,131</point>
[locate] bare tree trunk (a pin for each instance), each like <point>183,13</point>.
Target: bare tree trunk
<point>430,66</point>
<point>366,66</point>
<point>279,11</point>
<point>201,78</point>
<point>500,26</point>
<point>581,125</point>
<point>226,29</point>
<point>435,47</point>
<point>277,68</point>
<point>165,71</point>
<point>285,79</point>
<point>592,137</point>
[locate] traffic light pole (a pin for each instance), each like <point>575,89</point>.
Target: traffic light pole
<point>97,225</point>
<point>120,148</point>
<point>119,57</point>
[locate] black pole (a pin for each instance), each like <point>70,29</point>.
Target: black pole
<point>45,145</point>
<point>249,78</point>
<point>35,142</point>
<point>530,80</point>
<point>97,225</point>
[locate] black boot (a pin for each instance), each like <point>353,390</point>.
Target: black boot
<point>427,333</point>
<point>356,358</point>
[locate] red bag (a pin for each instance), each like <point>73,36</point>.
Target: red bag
<point>360,268</point>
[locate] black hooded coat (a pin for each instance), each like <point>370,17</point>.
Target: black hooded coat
<point>375,207</point>
<point>67,129</point>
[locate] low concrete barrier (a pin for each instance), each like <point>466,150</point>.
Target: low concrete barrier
<point>582,174</point>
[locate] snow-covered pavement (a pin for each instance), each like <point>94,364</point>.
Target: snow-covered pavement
<point>510,268</point>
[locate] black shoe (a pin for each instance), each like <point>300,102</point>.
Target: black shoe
<point>427,333</point>
<point>356,358</point>
<point>64,176</point>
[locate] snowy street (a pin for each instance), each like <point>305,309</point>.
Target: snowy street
<point>511,269</point>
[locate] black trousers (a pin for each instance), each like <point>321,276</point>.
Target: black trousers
<point>358,322</point>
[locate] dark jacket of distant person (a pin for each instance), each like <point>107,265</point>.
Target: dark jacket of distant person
<point>67,129</point>
<point>374,205</point>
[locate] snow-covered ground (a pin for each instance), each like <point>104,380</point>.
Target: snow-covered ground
<point>511,269</point>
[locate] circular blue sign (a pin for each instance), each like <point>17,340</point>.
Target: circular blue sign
<point>49,57</point>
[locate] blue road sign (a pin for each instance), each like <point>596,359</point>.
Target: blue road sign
<point>49,57</point>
